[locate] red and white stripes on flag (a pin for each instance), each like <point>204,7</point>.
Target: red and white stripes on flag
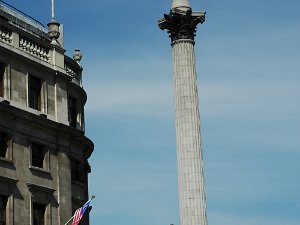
<point>80,212</point>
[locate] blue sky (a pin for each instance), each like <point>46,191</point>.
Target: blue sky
<point>248,65</point>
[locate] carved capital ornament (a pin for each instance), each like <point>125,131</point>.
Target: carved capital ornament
<point>181,24</point>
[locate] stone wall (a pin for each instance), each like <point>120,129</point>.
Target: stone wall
<point>51,185</point>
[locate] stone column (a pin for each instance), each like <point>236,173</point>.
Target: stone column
<point>182,27</point>
<point>64,187</point>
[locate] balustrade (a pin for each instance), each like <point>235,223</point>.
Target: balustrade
<point>5,35</point>
<point>34,48</point>
<point>73,70</point>
<point>39,48</point>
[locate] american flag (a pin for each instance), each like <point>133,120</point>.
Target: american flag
<point>79,213</point>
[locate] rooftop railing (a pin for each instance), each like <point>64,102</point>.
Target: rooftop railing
<point>73,69</point>
<point>38,45</point>
<point>21,15</point>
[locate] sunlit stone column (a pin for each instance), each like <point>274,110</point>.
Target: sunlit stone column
<point>181,25</point>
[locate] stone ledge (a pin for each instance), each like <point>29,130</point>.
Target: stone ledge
<point>40,170</point>
<point>5,160</point>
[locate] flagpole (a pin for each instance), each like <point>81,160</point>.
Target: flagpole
<point>52,8</point>
<point>69,220</point>
<point>73,215</point>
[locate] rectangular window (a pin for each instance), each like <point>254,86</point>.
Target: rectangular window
<point>35,86</point>
<point>3,211</point>
<point>72,112</point>
<point>38,214</point>
<point>37,155</point>
<point>3,145</point>
<point>2,71</point>
<point>75,170</point>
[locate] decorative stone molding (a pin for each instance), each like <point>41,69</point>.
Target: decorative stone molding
<point>77,56</point>
<point>40,194</point>
<point>183,41</point>
<point>71,72</point>
<point>181,25</point>
<point>34,48</point>
<point>8,180</point>
<point>38,188</point>
<point>53,32</point>
<point>73,69</point>
<point>6,35</point>
<point>7,185</point>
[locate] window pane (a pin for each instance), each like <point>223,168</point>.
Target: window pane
<point>3,144</point>
<point>2,70</point>
<point>75,170</point>
<point>38,214</point>
<point>3,203</point>
<point>37,155</point>
<point>35,85</point>
<point>72,112</point>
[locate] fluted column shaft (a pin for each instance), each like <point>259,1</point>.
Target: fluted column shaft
<point>188,138</point>
<point>181,26</point>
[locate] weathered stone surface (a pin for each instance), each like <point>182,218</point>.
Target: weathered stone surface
<point>188,137</point>
<point>181,25</point>
<point>48,126</point>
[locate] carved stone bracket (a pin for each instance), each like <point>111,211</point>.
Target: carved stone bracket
<point>181,25</point>
<point>40,193</point>
<point>9,180</point>
<point>39,188</point>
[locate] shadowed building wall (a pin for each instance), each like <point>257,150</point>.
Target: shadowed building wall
<point>43,148</point>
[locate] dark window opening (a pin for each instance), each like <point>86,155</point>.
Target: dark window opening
<point>38,214</point>
<point>37,155</point>
<point>3,145</point>
<point>2,71</point>
<point>75,170</point>
<point>3,204</point>
<point>35,86</point>
<point>72,112</point>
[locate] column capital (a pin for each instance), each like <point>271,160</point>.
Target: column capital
<point>180,24</point>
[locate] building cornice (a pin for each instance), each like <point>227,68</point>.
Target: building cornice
<point>61,130</point>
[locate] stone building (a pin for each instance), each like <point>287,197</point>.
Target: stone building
<point>43,149</point>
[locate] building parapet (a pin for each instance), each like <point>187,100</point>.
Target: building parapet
<point>73,69</point>
<point>34,48</point>
<point>21,19</point>
<point>5,35</point>
<point>25,34</point>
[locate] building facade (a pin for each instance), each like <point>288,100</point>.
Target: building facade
<point>43,148</point>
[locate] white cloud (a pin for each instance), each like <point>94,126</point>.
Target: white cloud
<point>268,99</point>
<point>130,97</point>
